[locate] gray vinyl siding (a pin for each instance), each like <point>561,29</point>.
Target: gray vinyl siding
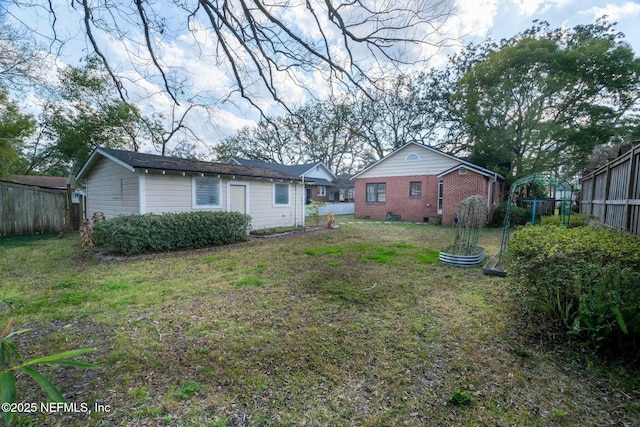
<point>267,215</point>
<point>173,193</point>
<point>103,183</point>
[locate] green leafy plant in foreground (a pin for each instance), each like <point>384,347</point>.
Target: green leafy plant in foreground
<point>11,361</point>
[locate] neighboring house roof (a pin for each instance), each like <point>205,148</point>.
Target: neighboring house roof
<point>463,163</point>
<point>132,160</point>
<point>54,182</point>
<point>320,181</point>
<point>344,180</point>
<point>298,170</point>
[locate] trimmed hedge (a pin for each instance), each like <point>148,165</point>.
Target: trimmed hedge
<point>134,234</point>
<point>586,279</point>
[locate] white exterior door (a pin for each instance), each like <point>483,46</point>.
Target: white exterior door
<point>238,198</point>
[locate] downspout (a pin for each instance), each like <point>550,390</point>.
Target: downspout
<point>490,190</point>
<point>304,206</point>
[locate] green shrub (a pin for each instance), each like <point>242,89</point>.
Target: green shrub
<point>519,216</point>
<point>575,220</point>
<point>133,234</point>
<point>586,279</point>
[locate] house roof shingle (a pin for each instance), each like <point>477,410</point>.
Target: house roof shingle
<point>152,161</point>
<point>297,170</point>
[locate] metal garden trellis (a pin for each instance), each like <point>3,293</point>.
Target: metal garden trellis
<point>548,181</point>
<point>471,215</point>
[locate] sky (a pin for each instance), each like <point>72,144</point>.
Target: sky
<point>474,20</point>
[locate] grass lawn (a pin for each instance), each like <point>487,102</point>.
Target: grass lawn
<point>356,326</point>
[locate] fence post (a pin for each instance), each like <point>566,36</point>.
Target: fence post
<point>633,178</point>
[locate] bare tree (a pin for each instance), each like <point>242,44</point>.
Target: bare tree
<point>330,133</point>
<point>269,141</point>
<point>264,45</point>
<point>20,59</point>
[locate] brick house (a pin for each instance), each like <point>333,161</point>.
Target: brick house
<point>420,183</point>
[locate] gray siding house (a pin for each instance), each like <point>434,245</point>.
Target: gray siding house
<point>122,182</point>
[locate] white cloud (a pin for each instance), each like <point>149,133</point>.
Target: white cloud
<point>536,7</point>
<point>472,18</point>
<point>615,12</point>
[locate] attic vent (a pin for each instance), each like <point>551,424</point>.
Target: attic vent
<point>462,171</point>
<point>413,157</point>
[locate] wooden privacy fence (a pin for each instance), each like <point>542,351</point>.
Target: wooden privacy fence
<point>612,192</point>
<point>25,210</point>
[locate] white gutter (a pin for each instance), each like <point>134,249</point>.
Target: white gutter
<point>304,201</point>
<point>490,190</point>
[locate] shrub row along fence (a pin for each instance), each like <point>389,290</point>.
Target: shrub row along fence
<point>612,192</point>
<point>585,279</point>
<point>27,210</point>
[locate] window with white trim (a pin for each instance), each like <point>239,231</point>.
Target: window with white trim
<point>206,192</point>
<point>322,191</point>
<point>462,171</point>
<point>377,192</point>
<point>440,190</point>
<point>281,194</point>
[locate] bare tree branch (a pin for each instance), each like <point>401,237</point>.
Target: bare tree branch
<point>264,46</point>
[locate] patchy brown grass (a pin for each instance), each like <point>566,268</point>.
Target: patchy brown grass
<point>355,326</point>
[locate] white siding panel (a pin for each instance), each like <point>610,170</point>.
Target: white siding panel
<point>265,215</point>
<point>103,195</point>
<point>173,193</point>
<point>430,163</point>
<point>319,172</point>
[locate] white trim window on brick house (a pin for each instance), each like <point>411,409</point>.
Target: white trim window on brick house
<point>206,192</point>
<point>322,191</point>
<point>280,194</point>
<point>377,192</point>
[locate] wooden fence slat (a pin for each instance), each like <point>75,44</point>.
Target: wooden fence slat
<point>612,193</point>
<point>28,210</point>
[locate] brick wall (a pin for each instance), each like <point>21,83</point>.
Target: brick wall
<point>314,193</point>
<point>397,198</point>
<point>457,187</point>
